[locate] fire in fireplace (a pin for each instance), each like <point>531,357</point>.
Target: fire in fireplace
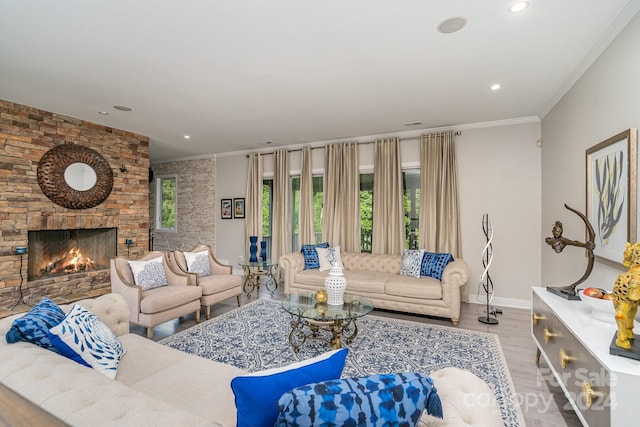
<point>59,252</point>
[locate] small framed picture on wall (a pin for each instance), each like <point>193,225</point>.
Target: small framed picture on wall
<point>226,209</point>
<point>238,208</point>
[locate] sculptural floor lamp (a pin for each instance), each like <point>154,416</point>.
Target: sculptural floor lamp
<point>558,243</point>
<point>485,278</point>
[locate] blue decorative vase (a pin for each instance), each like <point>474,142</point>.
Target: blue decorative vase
<point>263,251</point>
<point>253,249</point>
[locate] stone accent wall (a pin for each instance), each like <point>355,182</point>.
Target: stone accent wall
<point>197,208</point>
<point>26,134</point>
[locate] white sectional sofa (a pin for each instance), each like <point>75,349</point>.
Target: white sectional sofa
<point>377,277</point>
<point>156,385</point>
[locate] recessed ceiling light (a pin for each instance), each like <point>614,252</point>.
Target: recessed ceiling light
<point>187,137</point>
<point>268,142</point>
<point>452,25</point>
<point>104,113</point>
<point>121,108</point>
<point>495,86</point>
<point>413,124</point>
<point>519,6</point>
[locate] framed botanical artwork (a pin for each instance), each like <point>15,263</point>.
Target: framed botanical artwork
<point>226,209</point>
<point>612,183</point>
<point>238,208</point>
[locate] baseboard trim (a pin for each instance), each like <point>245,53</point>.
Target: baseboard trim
<point>503,302</point>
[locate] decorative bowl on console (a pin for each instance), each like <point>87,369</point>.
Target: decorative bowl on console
<point>601,309</point>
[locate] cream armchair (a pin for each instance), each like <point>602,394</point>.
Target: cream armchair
<point>155,305</point>
<point>218,286</point>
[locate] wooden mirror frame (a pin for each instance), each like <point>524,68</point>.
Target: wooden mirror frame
<point>51,176</point>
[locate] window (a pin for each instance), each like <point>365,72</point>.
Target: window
<point>366,211</point>
<point>411,188</point>
<point>411,197</point>
<point>166,203</point>
<point>267,211</point>
<point>295,213</point>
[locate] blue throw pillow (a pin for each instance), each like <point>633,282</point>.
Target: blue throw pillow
<point>82,337</point>
<point>433,264</point>
<point>310,255</point>
<point>257,394</point>
<point>380,400</point>
<point>34,326</point>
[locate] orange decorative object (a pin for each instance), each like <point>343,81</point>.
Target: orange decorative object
<point>593,292</point>
<point>626,294</point>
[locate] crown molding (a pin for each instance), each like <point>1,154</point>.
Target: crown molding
<point>411,134</point>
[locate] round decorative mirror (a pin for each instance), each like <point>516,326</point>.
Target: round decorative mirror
<point>80,176</point>
<point>74,176</point>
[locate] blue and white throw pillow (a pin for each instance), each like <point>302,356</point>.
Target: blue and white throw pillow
<point>82,337</point>
<point>381,400</point>
<point>198,262</point>
<point>328,257</point>
<point>148,274</point>
<point>257,393</point>
<point>411,262</point>
<point>34,326</point>
<point>311,255</point>
<point>433,265</point>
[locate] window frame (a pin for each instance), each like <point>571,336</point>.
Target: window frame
<point>159,203</point>
<point>410,241</point>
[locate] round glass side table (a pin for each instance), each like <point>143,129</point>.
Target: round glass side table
<point>257,274</point>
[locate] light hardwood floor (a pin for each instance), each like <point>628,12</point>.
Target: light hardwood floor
<point>541,400</point>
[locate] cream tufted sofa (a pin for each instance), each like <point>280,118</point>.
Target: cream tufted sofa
<point>377,277</point>
<point>160,386</point>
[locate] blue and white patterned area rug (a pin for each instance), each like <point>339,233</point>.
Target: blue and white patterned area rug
<point>255,337</point>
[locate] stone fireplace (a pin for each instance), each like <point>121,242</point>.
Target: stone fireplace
<point>59,252</point>
<point>26,135</point>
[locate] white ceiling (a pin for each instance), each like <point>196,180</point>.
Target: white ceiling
<point>235,74</point>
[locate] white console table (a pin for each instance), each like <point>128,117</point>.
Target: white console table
<point>602,388</point>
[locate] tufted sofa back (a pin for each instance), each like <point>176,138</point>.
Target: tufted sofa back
<point>379,263</point>
<point>111,308</point>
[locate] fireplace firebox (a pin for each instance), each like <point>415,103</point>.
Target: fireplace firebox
<point>59,252</point>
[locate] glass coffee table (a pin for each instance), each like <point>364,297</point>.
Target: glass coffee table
<point>332,323</point>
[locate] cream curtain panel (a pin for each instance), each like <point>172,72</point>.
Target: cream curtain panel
<point>439,227</point>
<point>388,206</point>
<point>253,204</point>
<point>439,207</point>
<point>281,209</point>
<point>341,212</point>
<point>306,233</point>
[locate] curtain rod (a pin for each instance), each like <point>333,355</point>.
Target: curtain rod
<point>456,133</point>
